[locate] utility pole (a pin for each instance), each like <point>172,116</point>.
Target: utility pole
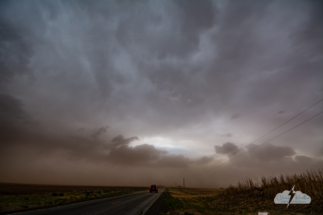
<point>183,182</point>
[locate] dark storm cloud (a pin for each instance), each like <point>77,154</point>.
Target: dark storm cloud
<point>99,131</point>
<point>15,123</point>
<point>195,18</point>
<point>181,38</point>
<point>15,50</point>
<point>226,148</point>
<point>120,140</point>
<point>78,148</point>
<point>11,108</point>
<point>247,46</point>
<point>308,37</point>
<point>14,54</point>
<point>176,72</point>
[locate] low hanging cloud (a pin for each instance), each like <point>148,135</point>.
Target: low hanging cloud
<point>139,155</point>
<point>304,159</point>
<point>147,155</point>
<point>269,152</point>
<point>11,108</point>
<point>99,131</point>
<point>265,160</point>
<point>15,122</point>
<point>120,140</point>
<point>226,149</point>
<point>75,147</point>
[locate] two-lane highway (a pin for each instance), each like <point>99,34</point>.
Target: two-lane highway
<point>131,204</point>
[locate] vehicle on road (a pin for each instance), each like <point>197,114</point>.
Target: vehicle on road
<point>153,188</point>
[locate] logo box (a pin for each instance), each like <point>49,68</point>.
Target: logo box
<point>292,197</point>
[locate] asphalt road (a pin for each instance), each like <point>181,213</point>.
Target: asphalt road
<point>131,204</point>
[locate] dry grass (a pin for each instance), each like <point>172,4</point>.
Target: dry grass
<point>180,201</point>
<point>249,197</point>
<point>250,194</point>
<point>310,182</point>
<point>193,192</point>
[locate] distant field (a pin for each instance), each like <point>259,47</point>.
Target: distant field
<point>188,193</point>
<point>247,197</point>
<point>17,197</point>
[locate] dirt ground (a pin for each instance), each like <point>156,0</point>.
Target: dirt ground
<point>22,197</point>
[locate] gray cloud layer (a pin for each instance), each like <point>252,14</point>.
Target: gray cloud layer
<point>76,75</point>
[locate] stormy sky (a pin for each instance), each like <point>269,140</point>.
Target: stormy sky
<point>144,92</point>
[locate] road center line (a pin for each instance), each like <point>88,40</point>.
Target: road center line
<point>115,202</point>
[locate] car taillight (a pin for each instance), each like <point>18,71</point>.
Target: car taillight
<point>156,188</point>
<point>150,188</point>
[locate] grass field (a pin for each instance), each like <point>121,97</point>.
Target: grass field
<point>17,197</point>
<point>246,199</point>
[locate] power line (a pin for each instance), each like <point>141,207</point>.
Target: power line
<point>270,139</point>
<point>277,127</point>
<point>287,121</point>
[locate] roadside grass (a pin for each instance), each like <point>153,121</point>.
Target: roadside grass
<point>310,182</point>
<point>11,203</point>
<point>248,197</point>
<point>264,192</point>
<point>187,201</point>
